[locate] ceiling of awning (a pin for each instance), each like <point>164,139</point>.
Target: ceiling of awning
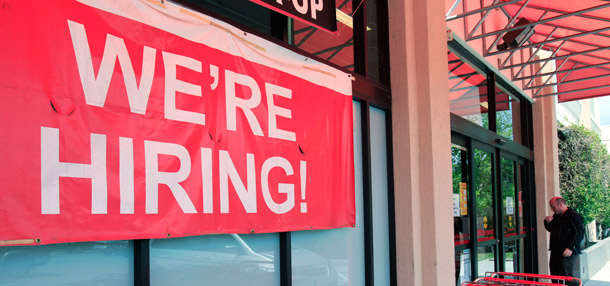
<point>575,35</point>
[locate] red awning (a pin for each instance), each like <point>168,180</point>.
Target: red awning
<point>576,33</point>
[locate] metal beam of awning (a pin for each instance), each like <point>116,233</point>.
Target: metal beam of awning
<point>575,13</point>
<point>578,90</point>
<point>575,32</point>
<point>552,40</point>
<point>563,71</point>
<point>569,81</point>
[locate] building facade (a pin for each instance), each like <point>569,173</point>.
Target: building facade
<point>430,115</point>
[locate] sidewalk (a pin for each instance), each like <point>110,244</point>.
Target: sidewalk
<point>602,278</point>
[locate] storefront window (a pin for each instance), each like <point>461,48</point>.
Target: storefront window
<point>223,260</point>
<point>508,196</point>
<point>321,257</point>
<point>508,115</point>
<point>327,257</point>
<point>486,260</point>
<point>334,257</point>
<point>511,256</point>
<point>337,49</point>
<point>468,92</point>
<point>520,197</point>
<point>496,178</point>
<point>372,37</point>
<point>244,12</point>
<point>381,233</point>
<point>483,186</point>
<point>461,214</point>
<point>83,263</point>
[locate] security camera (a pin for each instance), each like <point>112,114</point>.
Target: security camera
<point>516,38</point>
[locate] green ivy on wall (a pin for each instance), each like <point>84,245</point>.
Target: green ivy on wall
<point>584,165</point>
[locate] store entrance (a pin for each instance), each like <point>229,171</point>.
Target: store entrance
<point>490,189</point>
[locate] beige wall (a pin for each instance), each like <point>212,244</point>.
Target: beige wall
<point>547,170</point>
<point>606,136</point>
<point>422,143</point>
<point>546,160</point>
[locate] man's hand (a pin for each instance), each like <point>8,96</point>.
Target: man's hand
<point>548,218</point>
<point>567,252</point>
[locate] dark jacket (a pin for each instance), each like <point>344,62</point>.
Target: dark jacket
<point>567,231</point>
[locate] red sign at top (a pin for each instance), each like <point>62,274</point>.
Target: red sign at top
<point>129,120</point>
<point>318,13</point>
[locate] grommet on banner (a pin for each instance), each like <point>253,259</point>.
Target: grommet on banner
<point>37,240</point>
<point>169,234</point>
<point>252,231</point>
<point>159,3</point>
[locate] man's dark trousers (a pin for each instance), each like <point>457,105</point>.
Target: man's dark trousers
<point>563,266</point>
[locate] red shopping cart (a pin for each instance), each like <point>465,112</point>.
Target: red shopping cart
<point>522,279</point>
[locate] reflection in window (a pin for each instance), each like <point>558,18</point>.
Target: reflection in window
<point>520,198</point>
<point>336,256</point>
<point>461,215</point>
<point>521,256</point>
<point>486,260</point>
<point>337,49</point>
<point>97,263</point>
<point>379,180</point>
<point>507,172</point>
<point>224,259</point>
<point>483,186</point>
<point>461,226</point>
<point>245,12</point>
<point>511,256</point>
<point>467,92</point>
<point>372,39</point>
<point>507,115</point>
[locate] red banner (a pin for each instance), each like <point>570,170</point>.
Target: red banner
<point>136,119</point>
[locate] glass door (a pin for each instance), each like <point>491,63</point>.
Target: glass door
<point>511,184</point>
<point>460,158</point>
<point>491,223</point>
<point>486,245</point>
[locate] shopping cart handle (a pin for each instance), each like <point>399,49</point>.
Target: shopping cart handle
<point>529,275</point>
<point>518,282</point>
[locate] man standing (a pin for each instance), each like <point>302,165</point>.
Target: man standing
<point>567,231</point>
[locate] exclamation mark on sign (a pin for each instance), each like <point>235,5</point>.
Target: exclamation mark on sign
<point>303,186</point>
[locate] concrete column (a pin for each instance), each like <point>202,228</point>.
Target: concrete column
<point>585,113</point>
<point>546,160</point>
<point>422,143</point>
